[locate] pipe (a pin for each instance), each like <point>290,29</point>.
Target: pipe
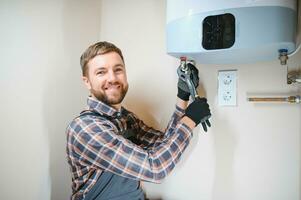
<point>283,57</point>
<point>290,99</point>
<point>295,78</point>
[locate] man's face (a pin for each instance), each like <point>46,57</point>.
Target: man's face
<point>106,78</point>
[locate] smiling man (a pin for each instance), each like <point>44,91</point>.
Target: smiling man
<point>106,78</point>
<point>109,149</point>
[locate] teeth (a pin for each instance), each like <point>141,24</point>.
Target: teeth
<point>112,87</point>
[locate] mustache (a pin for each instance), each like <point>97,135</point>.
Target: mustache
<point>110,84</point>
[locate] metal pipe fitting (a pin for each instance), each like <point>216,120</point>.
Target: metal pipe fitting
<point>283,57</point>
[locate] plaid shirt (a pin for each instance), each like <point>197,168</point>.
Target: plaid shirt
<point>95,144</point>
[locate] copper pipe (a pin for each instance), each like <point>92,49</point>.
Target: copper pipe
<point>290,99</point>
<point>267,99</point>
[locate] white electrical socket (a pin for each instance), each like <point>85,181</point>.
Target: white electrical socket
<point>227,87</point>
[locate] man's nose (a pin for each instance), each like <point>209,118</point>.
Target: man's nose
<point>111,76</point>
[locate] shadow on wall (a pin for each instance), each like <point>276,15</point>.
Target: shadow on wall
<point>64,95</point>
<point>225,144</point>
<point>56,98</point>
<point>300,143</point>
<point>62,102</point>
<point>141,107</point>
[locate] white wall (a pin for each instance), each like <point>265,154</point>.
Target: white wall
<point>251,152</point>
<point>41,91</point>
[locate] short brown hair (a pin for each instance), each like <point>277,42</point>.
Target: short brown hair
<point>98,48</point>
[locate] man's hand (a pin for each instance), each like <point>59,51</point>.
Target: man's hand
<point>199,112</point>
<point>183,89</point>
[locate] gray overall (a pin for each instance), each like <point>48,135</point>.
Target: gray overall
<point>110,186</point>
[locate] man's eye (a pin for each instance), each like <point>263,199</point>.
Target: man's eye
<point>119,70</point>
<point>100,73</point>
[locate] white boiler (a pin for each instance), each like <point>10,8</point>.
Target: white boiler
<point>230,31</point>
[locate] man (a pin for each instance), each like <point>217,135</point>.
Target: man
<point>109,149</point>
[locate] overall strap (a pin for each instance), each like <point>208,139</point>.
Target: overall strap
<point>93,113</point>
<point>129,134</point>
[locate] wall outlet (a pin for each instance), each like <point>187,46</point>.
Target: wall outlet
<point>227,87</point>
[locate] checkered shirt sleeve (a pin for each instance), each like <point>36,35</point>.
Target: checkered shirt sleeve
<point>94,142</point>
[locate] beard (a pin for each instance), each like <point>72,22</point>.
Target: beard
<point>110,99</point>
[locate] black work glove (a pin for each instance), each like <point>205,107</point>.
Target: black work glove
<point>183,89</point>
<point>199,112</point>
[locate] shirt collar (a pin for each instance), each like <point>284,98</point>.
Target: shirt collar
<point>103,108</point>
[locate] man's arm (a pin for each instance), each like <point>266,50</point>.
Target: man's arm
<point>149,136</point>
<point>94,143</point>
<point>99,146</point>
<point>186,120</point>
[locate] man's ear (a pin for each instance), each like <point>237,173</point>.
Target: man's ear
<point>86,82</point>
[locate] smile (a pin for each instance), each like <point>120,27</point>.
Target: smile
<point>112,87</point>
